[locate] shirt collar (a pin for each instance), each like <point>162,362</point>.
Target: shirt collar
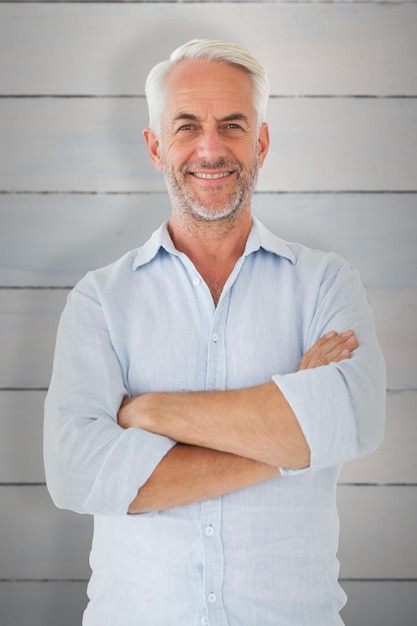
<point>259,237</point>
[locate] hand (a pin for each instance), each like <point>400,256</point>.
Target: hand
<point>331,348</point>
<point>126,414</point>
<point>142,411</point>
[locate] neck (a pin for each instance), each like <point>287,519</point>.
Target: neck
<point>213,247</point>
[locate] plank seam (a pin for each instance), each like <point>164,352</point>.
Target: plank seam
<point>12,192</point>
<point>86,580</point>
<point>156,2</point>
<point>366,485</point>
<point>307,96</point>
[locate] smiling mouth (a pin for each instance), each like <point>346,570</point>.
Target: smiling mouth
<point>211,176</point>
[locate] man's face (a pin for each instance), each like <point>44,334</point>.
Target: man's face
<point>210,148</point>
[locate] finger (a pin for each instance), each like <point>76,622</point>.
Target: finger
<point>342,350</point>
<point>334,342</point>
<point>345,354</point>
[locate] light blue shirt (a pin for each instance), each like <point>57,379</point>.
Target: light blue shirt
<point>262,556</point>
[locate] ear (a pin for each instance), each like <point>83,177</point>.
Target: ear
<point>263,143</point>
<point>152,143</point>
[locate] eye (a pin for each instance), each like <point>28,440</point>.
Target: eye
<point>186,127</point>
<point>233,129</point>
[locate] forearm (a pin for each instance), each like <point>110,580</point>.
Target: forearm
<point>189,474</point>
<point>254,422</point>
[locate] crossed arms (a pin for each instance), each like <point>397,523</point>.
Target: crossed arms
<point>227,440</point>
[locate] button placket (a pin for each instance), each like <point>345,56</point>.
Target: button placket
<point>211,516</point>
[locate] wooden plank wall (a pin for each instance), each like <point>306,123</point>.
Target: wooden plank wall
<point>77,190</point>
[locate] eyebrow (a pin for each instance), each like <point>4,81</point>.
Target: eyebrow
<point>233,117</point>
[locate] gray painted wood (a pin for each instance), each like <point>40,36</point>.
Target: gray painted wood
<point>395,461</point>
<point>387,603</point>
<point>54,239</point>
<point>377,532</point>
<point>318,144</point>
<point>28,323</point>
<point>395,313</point>
<point>47,603</point>
<point>21,427</point>
<point>39,541</point>
<point>307,48</point>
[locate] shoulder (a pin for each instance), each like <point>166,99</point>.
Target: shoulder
<point>117,273</point>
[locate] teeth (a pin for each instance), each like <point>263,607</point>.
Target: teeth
<point>211,176</point>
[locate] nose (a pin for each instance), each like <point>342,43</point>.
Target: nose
<point>211,144</point>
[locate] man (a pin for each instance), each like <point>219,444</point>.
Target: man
<point>208,386</point>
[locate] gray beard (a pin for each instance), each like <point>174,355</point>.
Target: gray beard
<point>225,208</point>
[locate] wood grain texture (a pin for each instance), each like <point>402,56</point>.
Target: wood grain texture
<point>343,118</point>
<point>395,461</point>
<point>39,541</point>
<point>21,425</point>
<point>307,48</point>
<point>377,525</point>
<point>28,323</point>
<point>53,240</point>
<point>395,313</point>
<point>94,145</point>
<point>380,603</point>
<point>42,603</point>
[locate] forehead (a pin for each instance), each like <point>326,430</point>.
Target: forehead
<point>195,84</point>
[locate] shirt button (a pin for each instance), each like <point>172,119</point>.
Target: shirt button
<point>215,337</point>
<point>204,621</point>
<point>211,598</point>
<point>196,281</point>
<point>209,530</point>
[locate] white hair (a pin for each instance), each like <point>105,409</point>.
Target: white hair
<point>211,50</point>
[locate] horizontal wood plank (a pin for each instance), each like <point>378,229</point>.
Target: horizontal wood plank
<point>307,48</point>
<point>395,461</point>
<point>28,323</point>
<point>45,603</point>
<point>29,318</point>
<point>88,231</point>
<point>21,425</point>
<point>377,233</point>
<point>395,313</point>
<point>21,418</point>
<point>94,145</point>
<point>39,541</point>
<point>377,532</point>
<point>373,603</point>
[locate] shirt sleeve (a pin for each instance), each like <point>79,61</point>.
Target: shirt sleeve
<point>341,406</point>
<point>92,465</point>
